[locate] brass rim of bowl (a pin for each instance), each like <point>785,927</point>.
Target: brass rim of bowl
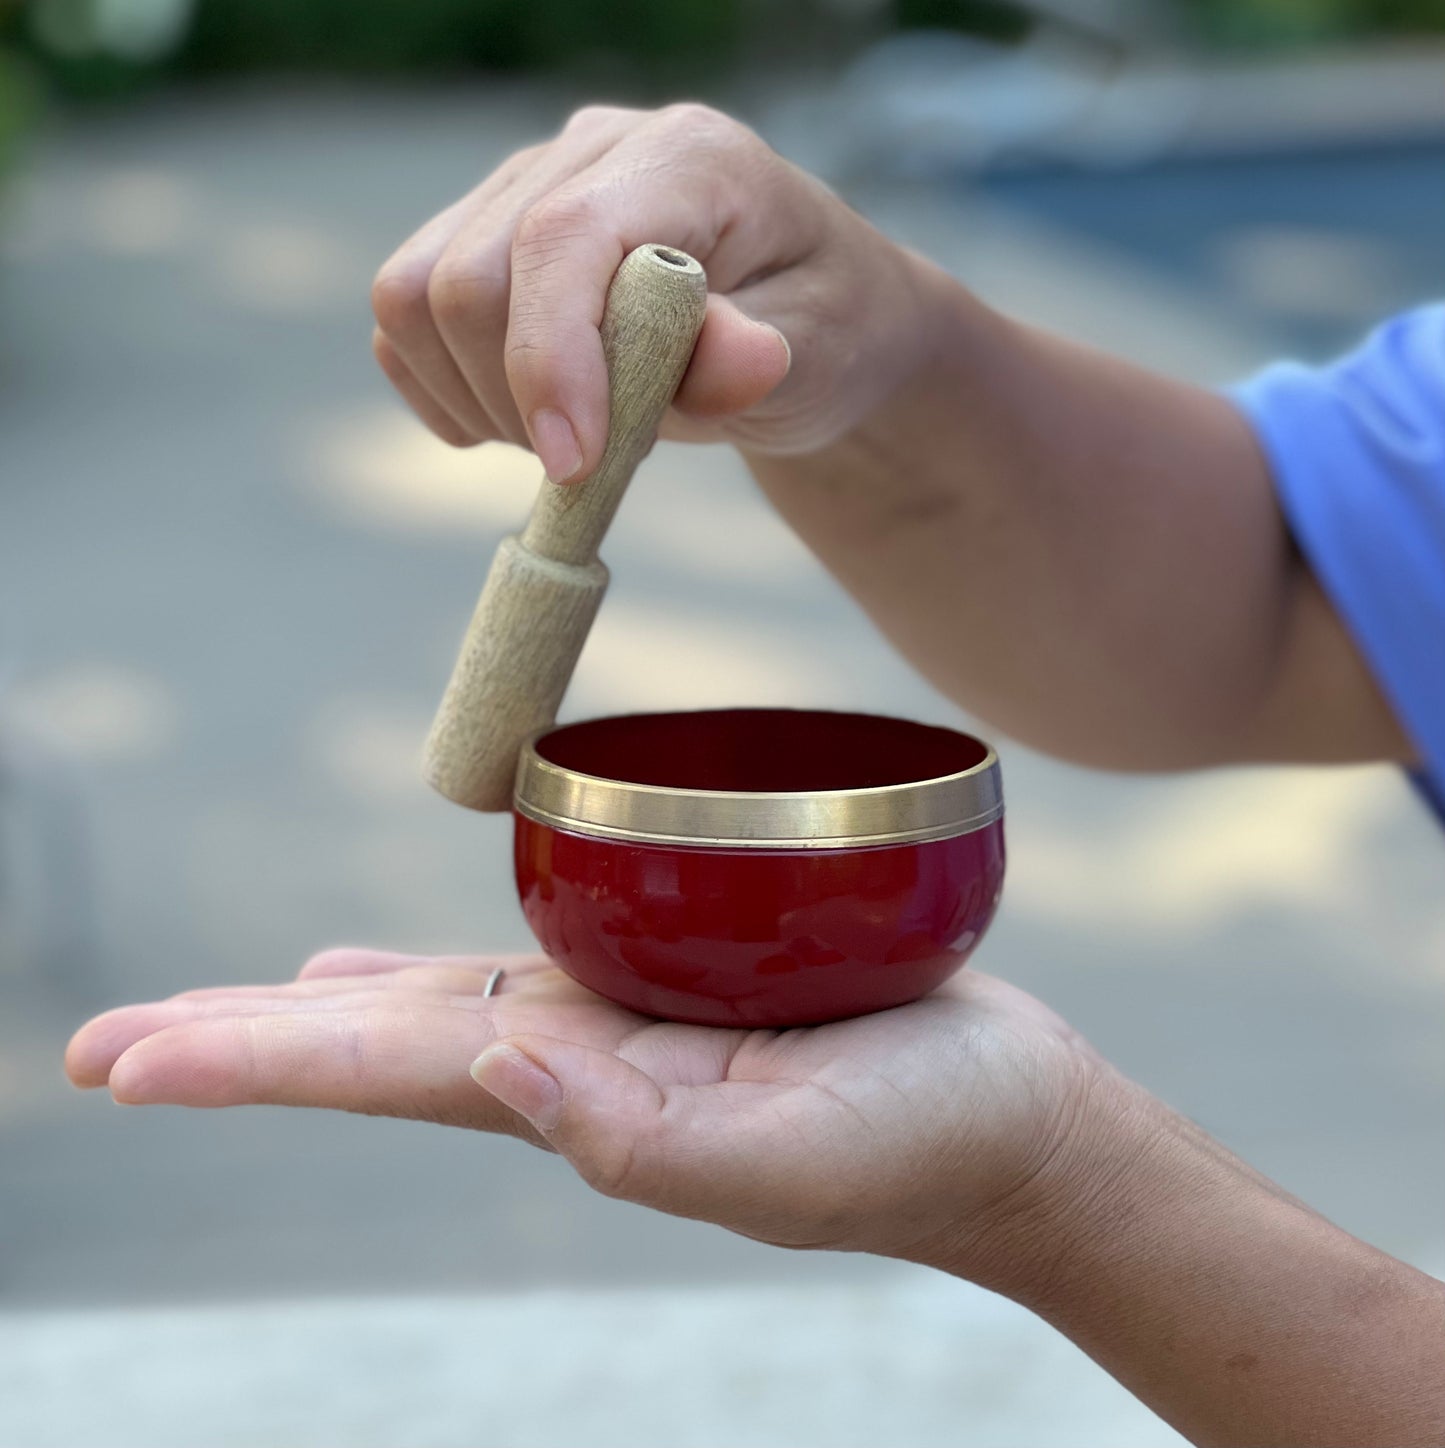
<point>892,814</point>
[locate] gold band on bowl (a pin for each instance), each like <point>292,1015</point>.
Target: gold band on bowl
<point>894,814</point>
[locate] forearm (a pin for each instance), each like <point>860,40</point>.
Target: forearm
<point>1232,1310</point>
<point>1087,555</point>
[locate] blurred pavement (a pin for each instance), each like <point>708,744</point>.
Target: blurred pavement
<point>232,577</point>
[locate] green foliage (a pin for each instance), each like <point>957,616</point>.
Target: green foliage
<point>108,47</point>
<point>15,108</point>
<point>1243,23</point>
<point>641,42</point>
<point>387,35</point>
<point>996,19</point>
<point>1253,23</point>
<point>19,100</point>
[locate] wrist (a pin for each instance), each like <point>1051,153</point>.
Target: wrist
<point>1235,1312</point>
<point>1028,1243</point>
<point>1129,1191</point>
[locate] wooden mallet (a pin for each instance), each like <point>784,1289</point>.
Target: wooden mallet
<point>545,587</point>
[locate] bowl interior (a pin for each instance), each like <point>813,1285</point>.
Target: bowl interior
<point>761,750</point>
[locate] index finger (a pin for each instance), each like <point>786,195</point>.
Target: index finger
<point>660,184</point>
<point>406,1059</point>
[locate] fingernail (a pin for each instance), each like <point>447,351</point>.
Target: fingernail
<point>787,349</point>
<point>555,444</point>
<point>517,1081</point>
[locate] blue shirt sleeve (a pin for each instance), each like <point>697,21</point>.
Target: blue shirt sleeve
<point>1357,450</point>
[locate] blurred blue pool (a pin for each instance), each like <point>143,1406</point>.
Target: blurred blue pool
<point>1315,245</point>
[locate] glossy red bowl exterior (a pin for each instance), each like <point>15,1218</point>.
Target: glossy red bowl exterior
<point>744,933</point>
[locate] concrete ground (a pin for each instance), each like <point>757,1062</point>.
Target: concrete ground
<point>232,576</point>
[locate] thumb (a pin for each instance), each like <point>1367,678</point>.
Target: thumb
<point>681,1151</point>
<point>737,362</point>
<point>604,1115</point>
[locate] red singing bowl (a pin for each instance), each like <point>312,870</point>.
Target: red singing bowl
<point>758,867</point>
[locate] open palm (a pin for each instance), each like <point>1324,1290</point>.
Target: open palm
<point>878,1134</point>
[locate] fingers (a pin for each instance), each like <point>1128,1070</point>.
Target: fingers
<point>400,303</point>
<point>347,960</point>
<point>687,176</point>
<point>430,977</point>
<point>470,286</point>
<point>603,1114</point>
<point>405,1058</point>
<point>441,299</point>
<point>351,960</point>
<point>489,317</point>
<point>336,980</point>
<point>422,402</point>
<point>737,363</point>
<point>682,1149</point>
<point>97,1045</point>
<point>652,186</point>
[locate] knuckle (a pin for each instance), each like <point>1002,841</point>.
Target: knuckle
<point>523,160</point>
<point>704,124</point>
<point>399,298</point>
<point>331,960</point>
<point>528,357</point>
<point>587,119</point>
<point>461,293</point>
<point>385,354</point>
<point>457,439</point>
<point>610,1168</point>
<point>552,223</point>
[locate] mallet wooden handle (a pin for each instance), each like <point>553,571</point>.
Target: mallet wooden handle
<point>545,587</point>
